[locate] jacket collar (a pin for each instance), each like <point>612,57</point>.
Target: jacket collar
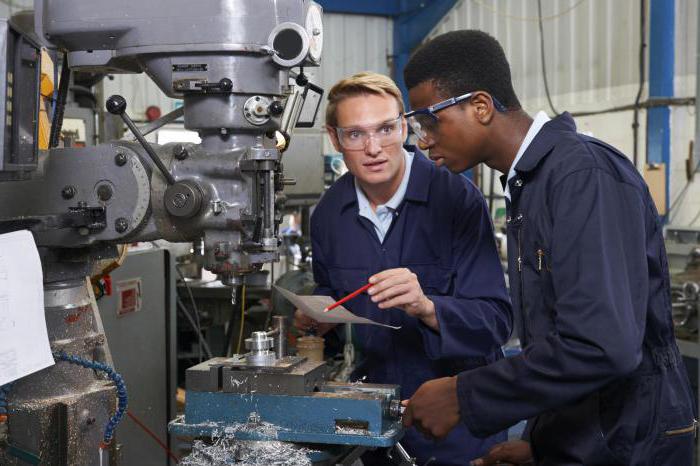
<point>544,141</point>
<point>418,181</point>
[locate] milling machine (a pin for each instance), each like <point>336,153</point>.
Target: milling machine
<point>231,62</point>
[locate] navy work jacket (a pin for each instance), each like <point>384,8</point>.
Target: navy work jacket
<point>600,371</point>
<point>443,233</point>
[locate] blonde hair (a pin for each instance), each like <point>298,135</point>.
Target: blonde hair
<point>366,82</point>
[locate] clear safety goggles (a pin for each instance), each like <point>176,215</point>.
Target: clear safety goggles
<point>385,134</point>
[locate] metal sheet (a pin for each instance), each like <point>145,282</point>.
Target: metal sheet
<point>141,348</point>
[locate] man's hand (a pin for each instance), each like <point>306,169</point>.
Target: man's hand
<point>305,324</point>
<point>515,452</point>
<point>400,288</point>
<point>434,408</point>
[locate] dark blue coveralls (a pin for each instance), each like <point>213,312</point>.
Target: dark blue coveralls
<point>442,232</point>
<point>600,371</point>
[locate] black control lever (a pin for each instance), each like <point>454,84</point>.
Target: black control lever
<point>116,105</point>
<point>224,85</point>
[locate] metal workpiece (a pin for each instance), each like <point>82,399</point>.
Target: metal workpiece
<point>279,333</point>
<point>260,346</point>
<point>258,341</point>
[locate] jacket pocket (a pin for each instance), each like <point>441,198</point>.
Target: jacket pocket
<point>625,412</point>
<point>675,447</point>
<point>676,424</point>
<point>433,278</point>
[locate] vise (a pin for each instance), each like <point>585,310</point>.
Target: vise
<point>289,399</point>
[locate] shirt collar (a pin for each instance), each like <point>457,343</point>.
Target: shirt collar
<point>540,119</point>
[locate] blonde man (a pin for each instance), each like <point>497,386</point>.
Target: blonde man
<point>423,237</point>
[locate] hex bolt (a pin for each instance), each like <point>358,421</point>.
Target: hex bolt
<point>121,225</point>
<point>68,192</point>
<point>180,152</point>
<point>179,200</point>
<point>120,159</point>
<point>104,192</point>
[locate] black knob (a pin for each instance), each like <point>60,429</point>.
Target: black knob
<point>276,108</point>
<point>302,80</point>
<point>116,105</point>
<point>225,85</point>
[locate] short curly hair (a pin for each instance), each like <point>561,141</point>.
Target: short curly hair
<point>463,61</point>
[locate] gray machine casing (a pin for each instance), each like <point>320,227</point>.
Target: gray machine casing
<point>229,63</point>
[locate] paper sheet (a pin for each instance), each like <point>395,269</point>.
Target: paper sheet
<point>24,342</point>
<point>313,307</point>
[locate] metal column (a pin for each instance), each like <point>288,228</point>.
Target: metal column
<point>661,73</point>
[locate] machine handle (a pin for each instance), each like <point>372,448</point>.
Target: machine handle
<point>224,85</point>
<point>116,105</point>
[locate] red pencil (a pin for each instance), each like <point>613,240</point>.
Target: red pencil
<point>348,297</point>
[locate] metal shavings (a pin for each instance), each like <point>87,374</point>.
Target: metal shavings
<point>225,449</point>
<point>224,452</point>
<point>359,381</point>
<point>350,431</point>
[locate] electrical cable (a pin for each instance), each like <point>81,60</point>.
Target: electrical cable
<point>202,342</point>
<point>122,400</point>
<point>642,66</point>
<point>528,18</point>
<point>240,333</point>
<point>195,309</point>
<point>542,59</point>
<point>153,436</point>
<point>57,121</point>
<point>649,103</point>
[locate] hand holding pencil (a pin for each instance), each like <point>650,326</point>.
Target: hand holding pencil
<point>397,288</point>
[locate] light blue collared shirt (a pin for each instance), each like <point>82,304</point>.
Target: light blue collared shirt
<point>384,214</point>
<point>540,119</point>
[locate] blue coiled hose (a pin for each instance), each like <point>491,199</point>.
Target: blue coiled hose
<point>118,382</point>
<point>4,391</point>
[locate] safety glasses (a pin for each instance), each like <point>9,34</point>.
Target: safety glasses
<point>356,137</point>
<point>424,122</point>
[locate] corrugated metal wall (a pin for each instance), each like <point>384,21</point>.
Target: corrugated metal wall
<point>352,43</point>
<point>592,49</point>
<point>590,44</point>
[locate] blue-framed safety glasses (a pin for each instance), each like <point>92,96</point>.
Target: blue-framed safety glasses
<point>424,121</point>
